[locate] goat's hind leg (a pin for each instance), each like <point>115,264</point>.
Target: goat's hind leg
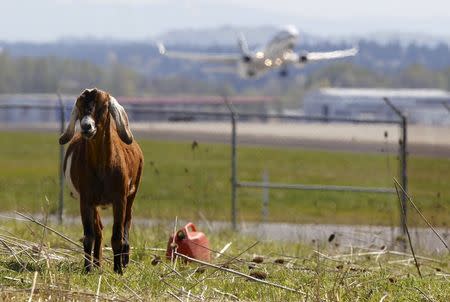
<point>126,232</point>
<point>98,227</point>
<point>87,218</point>
<point>128,214</point>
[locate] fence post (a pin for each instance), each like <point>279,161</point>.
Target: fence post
<point>403,153</point>
<point>233,164</point>
<point>61,161</point>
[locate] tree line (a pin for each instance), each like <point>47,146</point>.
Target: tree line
<point>50,74</point>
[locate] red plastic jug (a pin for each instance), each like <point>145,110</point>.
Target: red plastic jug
<point>189,242</point>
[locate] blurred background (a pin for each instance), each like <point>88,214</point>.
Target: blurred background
<point>60,47</point>
<point>69,45</point>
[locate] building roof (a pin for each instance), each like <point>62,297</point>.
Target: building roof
<point>389,93</point>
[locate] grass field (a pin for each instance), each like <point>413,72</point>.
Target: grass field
<point>316,273</point>
<point>192,183</point>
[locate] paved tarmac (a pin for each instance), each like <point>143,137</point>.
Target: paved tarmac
<point>422,140</point>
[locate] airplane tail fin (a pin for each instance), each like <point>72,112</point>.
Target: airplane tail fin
<point>243,46</point>
<point>161,48</point>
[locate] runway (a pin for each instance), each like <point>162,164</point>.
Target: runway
<point>422,140</point>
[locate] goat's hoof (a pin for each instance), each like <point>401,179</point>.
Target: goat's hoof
<point>87,269</point>
<point>125,260</point>
<point>118,270</point>
<point>125,254</point>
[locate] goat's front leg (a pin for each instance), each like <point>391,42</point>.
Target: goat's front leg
<point>87,218</point>
<point>98,227</point>
<point>117,234</point>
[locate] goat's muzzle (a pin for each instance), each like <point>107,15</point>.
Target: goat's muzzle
<point>88,128</point>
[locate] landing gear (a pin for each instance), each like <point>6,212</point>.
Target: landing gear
<point>284,73</point>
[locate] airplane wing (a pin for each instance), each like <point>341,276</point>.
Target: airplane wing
<point>319,56</point>
<point>203,57</point>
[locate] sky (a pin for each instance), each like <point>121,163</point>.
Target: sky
<point>49,20</point>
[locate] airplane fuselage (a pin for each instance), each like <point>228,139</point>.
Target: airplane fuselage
<point>272,56</point>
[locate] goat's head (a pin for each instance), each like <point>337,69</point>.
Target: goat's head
<point>92,108</point>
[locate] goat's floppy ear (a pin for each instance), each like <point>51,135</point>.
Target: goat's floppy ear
<point>70,130</point>
<point>121,119</point>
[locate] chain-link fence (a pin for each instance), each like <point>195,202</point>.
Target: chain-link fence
<point>263,167</point>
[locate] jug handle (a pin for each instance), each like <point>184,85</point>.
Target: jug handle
<point>191,226</point>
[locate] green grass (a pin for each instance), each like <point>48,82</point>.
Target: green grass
<point>328,276</point>
<point>180,181</point>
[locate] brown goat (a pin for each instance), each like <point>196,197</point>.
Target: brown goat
<point>102,166</point>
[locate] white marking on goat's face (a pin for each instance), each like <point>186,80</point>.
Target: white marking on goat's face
<point>92,106</point>
<point>88,128</point>
<point>69,178</point>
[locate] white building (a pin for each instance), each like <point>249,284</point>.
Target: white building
<point>422,106</point>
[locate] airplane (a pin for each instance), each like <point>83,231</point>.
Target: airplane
<point>278,53</point>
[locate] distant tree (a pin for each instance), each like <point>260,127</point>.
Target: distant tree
<point>346,75</point>
<point>8,74</point>
<point>417,76</point>
<point>50,74</point>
